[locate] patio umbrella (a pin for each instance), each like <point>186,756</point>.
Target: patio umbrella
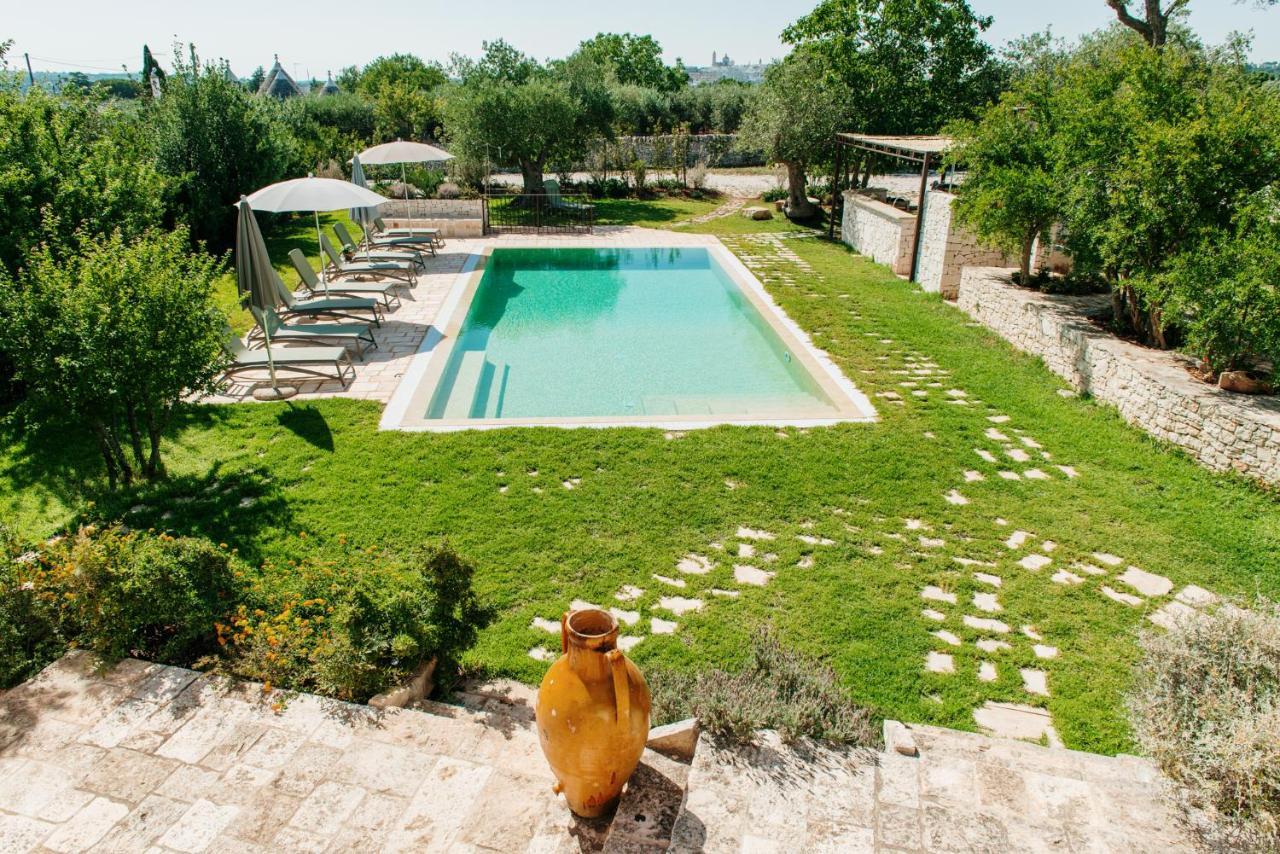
<point>363,217</point>
<point>256,278</point>
<point>315,195</point>
<point>403,152</point>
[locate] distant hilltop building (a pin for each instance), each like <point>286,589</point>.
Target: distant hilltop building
<point>278,83</point>
<point>724,68</point>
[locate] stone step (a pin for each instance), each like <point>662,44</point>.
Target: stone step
<point>963,791</point>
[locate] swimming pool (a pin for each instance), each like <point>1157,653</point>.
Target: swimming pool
<point>601,336</point>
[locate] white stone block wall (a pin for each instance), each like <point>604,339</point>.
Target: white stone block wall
<point>1152,389</point>
<point>879,231</point>
<point>947,248</point>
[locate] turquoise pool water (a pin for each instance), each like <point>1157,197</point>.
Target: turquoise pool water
<point>618,332</point>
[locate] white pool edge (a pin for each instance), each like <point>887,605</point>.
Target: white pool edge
<point>396,415</point>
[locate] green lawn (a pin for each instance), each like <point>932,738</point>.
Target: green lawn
<point>321,470</point>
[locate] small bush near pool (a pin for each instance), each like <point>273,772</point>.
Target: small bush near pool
<point>778,689</point>
<point>1206,707</point>
<point>116,593</point>
<point>355,628</point>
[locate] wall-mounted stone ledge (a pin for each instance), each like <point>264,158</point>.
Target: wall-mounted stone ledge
<point>1152,389</point>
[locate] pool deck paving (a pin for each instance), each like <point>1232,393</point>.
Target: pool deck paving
<point>144,757</point>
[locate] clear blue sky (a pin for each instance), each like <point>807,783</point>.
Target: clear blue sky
<point>316,36</point>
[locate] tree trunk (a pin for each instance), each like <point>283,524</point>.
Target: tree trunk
<point>135,439</point>
<point>155,465</point>
<point>1028,246</point>
<point>118,469</point>
<point>798,204</point>
<point>531,170</point>
<point>1153,24</point>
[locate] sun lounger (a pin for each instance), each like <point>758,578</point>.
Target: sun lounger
<point>359,309</point>
<point>357,335</point>
<point>380,230</point>
<point>340,268</point>
<point>380,250</point>
<point>304,361</point>
<point>310,281</point>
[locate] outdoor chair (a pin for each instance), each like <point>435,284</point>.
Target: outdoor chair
<point>387,291</point>
<point>335,308</point>
<point>340,268</point>
<point>304,361</point>
<point>357,335</point>
<point>552,188</point>
<point>378,250</point>
<point>421,235</point>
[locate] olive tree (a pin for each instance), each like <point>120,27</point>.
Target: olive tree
<point>509,108</point>
<point>114,336</point>
<point>793,120</point>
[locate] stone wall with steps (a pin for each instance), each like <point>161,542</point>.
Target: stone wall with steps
<point>1152,389</point>
<point>140,756</point>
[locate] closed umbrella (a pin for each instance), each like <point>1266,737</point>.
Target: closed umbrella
<point>403,152</point>
<point>315,195</point>
<point>256,279</point>
<point>363,217</point>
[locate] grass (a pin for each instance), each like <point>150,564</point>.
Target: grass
<point>320,472</point>
<point>656,213</point>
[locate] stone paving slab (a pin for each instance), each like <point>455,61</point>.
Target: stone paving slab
<point>964,792</point>
<point>139,757</point>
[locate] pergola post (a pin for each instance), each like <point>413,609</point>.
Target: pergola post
<point>924,188</point>
<point>837,201</point>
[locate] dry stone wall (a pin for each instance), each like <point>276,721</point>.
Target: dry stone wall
<point>879,231</point>
<point>1152,389</point>
<point>947,248</point>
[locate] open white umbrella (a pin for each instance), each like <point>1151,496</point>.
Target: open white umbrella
<point>402,152</point>
<point>315,195</point>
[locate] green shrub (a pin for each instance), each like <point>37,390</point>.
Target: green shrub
<point>114,592</point>
<point>352,629</point>
<point>1206,707</point>
<point>778,689</point>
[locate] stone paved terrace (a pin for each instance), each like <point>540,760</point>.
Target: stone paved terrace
<point>379,371</point>
<point>140,757</point>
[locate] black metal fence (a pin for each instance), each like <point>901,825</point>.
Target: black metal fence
<point>521,214</point>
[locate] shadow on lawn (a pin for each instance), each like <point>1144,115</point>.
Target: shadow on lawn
<point>309,424</point>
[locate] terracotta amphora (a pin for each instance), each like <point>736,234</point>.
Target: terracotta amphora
<point>593,713</point>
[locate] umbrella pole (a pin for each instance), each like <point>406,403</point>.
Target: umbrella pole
<point>324,280</point>
<point>271,360</point>
<point>404,182</point>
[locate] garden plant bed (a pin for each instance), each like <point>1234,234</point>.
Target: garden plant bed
<point>852,540</point>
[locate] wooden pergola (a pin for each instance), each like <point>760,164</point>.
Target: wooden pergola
<point>927,151</point>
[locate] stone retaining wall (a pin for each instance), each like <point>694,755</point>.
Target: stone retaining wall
<point>880,231</point>
<point>459,218</point>
<point>1151,389</point>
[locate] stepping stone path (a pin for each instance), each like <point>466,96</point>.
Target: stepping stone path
<point>694,564</point>
<point>754,576</point>
<point>1146,583</point>
<point>938,662</point>
<point>1035,562</point>
<point>678,605</point>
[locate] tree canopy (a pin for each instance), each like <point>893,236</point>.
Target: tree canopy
<point>911,65</point>
<point>509,108</point>
<point>634,60</point>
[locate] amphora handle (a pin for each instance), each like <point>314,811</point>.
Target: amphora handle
<point>621,687</point>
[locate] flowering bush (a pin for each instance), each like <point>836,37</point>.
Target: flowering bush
<point>117,593</point>
<point>351,629</point>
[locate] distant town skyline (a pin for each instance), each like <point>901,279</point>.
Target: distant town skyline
<point>313,40</point>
